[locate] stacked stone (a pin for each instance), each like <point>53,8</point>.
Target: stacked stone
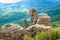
<point>44,19</point>
<point>32,16</point>
<point>11,31</point>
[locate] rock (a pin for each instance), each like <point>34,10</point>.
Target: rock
<point>0,31</point>
<point>32,16</point>
<point>35,28</point>
<point>11,31</point>
<point>44,19</point>
<point>25,24</point>
<point>38,27</point>
<point>34,22</point>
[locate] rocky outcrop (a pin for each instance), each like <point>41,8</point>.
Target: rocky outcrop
<point>44,19</point>
<point>16,32</point>
<point>32,30</point>
<point>11,31</point>
<point>32,16</point>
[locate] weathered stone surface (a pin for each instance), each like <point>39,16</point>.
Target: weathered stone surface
<point>32,16</point>
<point>25,24</point>
<point>11,31</point>
<point>0,30</point>
<point>44,19</point>
<point>35,28</point>
<point>34,22</point>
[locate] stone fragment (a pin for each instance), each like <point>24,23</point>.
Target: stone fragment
<point>25,24</point>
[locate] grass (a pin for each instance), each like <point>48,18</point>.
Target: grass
<point>0,37</point>
<point>50,34</point>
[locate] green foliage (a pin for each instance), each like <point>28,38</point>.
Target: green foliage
<point>0,37</point>
<point>27,37</point>
<point>51,34</point>
<point>56,24</point>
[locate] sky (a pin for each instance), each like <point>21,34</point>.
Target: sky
<point>13,1</point>
<point>9,1</point>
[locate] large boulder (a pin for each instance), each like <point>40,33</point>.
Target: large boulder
<point>11,31</point>
<point>44,19</point>
<point>11,27</point>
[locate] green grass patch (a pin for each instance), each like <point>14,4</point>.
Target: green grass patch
<point>51,34</point>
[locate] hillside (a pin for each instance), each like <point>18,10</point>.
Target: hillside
<point>20,10</point>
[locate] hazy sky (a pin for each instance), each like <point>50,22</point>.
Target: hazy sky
<point>13,1</point>
<point>9,1</point>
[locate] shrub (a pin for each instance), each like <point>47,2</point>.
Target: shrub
<point>50,34</point>
<point>27,37</point>
<point>0,37</point>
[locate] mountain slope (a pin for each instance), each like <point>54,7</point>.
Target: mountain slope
<point>20,10</point>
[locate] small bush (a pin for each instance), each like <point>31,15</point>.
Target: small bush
<point>0,37</point>
<point>50,34</point>
<point>27,37</point>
